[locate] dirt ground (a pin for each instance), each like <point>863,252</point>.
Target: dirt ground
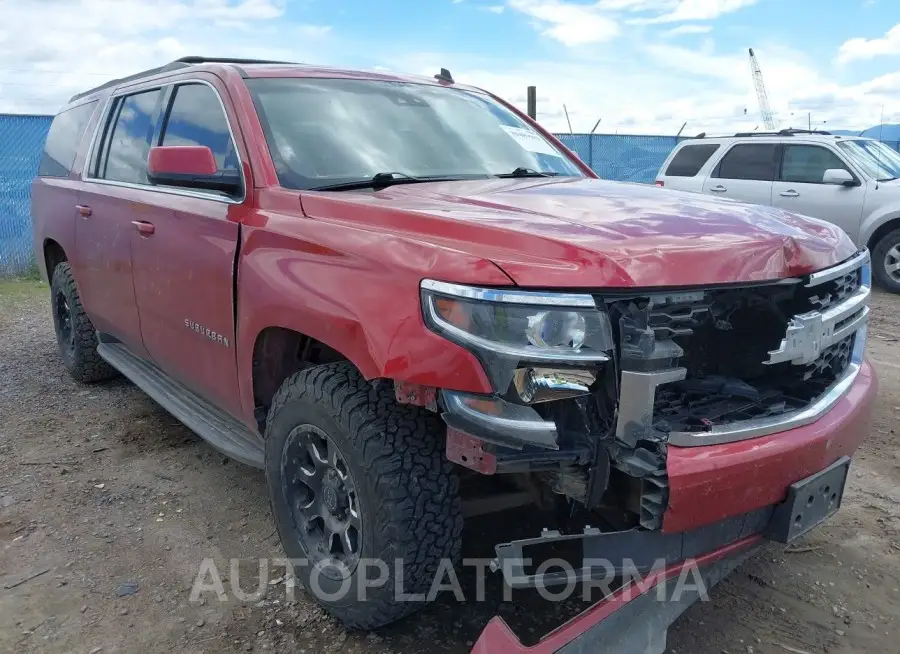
<point>108,506</point>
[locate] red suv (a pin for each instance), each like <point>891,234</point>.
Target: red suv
<point>404,300</point>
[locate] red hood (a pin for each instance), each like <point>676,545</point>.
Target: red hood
<point>594,233</point>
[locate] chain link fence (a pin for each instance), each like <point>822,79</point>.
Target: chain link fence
<point>623,158</point>
<point>21,143</point>
<point>620,157</point>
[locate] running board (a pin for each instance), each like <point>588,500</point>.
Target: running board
<point>226,434</point>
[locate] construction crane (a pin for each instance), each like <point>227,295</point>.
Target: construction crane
<point>764,109</point>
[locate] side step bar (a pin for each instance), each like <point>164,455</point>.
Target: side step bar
<point>226,434</point>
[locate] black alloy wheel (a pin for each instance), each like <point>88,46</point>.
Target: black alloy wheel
<point>322,495</point>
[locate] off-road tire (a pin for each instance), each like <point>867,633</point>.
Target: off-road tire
<point>879,255</point>
<point>82,361</point>
<point>408,492</point>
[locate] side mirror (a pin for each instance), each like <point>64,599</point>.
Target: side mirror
<point>190,166</point>
<point>839,177</point>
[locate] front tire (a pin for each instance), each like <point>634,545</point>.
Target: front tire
<point>75,334</point>
<point>886,261</point>
<point>355,477</point>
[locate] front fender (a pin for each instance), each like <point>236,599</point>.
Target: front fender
<point>357,292</point>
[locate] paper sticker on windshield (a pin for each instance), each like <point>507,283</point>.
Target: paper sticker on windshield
<point>529,140</point>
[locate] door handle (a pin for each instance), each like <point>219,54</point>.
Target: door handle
<point>83,210</point>
<point>145,228</point>
<point>790,193</point>
<point>718,189</point>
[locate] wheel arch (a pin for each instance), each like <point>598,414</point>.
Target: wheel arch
<point>54,254</point>
<point>278,353</point>
<point>878,223</point>
<point>887,225</point>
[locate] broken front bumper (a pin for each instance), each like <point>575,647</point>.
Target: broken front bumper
<point>637,616</point>
<point>633,620</point>
<point>712,482</point>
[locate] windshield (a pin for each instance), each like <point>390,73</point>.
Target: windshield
<point>323,132</point>
<point>876,159</point>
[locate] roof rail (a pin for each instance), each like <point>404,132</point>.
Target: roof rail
<point>227,60</point>
<point>183,62</point>
<point>784,132</point>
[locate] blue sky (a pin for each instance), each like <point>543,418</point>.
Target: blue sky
<point>642,66</point>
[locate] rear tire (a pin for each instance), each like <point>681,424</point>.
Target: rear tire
<point>885,255</point>
<point>75,334</point>
<point>399,493</point>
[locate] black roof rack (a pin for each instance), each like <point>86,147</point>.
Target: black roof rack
<point>229,60</point>
<point>183,62</point>
<point>784,132</point>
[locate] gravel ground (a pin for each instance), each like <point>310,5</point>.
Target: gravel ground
<point>108,506</point>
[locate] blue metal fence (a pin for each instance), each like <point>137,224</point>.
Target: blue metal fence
<point>21,142</point>
<point>621,157</point>
<point>624,158</point>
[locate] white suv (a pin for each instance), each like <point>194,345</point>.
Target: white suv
<point>849,181</point>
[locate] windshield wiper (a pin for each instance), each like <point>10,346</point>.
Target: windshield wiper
<point>381,180</point>
<point>888,179</point>
<point>527,172</point>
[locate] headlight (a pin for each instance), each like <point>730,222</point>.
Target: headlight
<point>510,329</point>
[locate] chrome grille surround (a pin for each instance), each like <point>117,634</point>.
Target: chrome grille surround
<point>831,336</point>
<point>813,338</point>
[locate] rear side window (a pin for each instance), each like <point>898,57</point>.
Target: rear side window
<point>197,118</point>
<point>755,161</point>
<point>690,159</point>
<point>806,164</point>
<point>126,151</point>
<point>63,140</point>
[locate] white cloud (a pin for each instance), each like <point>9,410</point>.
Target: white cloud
<point>642,88</point>
<point>494,9</point>
<point>688,29</point>
<point>568,23</point>
<point>634,78</point>
<point>860,48</point>
<point>61,47</point>
<point>700,10</point>
<point>576,24</point>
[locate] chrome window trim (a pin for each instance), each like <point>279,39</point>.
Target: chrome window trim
<point>203,195</point>
<point>510,296</point>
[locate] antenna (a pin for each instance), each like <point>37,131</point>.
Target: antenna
<point>567,119</point>
<point>444,76</point>
<point>765,111</point>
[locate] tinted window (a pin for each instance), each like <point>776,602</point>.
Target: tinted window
<point>197,118</point>
<point>690,159</point>
<point>63,140</point>
<point>807,163</point>
<point>750,161</point>
<point>129,143</point>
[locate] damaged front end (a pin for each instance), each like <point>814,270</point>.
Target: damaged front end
<point>592,390</point>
